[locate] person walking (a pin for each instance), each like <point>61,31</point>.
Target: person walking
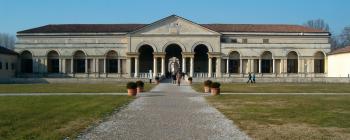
<point>253,78</point>
<point>249,78</point>
<point>178,78</point>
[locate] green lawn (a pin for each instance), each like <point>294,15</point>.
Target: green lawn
<point>279,88</point>
<point>67,88</point>
<point>53,117</point>
<point>288,116</point>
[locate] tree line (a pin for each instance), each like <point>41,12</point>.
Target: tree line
<point>336,41</point>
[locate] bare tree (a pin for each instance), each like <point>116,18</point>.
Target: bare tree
<point>7,40</point>
<point>318,24</point>
<point>345,37</point>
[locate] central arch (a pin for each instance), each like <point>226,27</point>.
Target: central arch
<point>266,62</point>
<point>201,58</point>
<point>173,54</point>
<point>53,62</point>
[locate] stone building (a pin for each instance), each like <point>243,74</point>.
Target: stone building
<point>172,44</point>
<point>8,62</point>
<point>339,63</point>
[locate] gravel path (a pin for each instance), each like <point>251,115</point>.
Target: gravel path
<point>168,112</point>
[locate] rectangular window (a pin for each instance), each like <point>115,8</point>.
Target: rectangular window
<point>7,65</point>
<point>13,66</point>
<point>266,41</point>
<point>244,41</point>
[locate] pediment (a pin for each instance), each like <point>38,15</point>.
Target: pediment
<point>174,25</point>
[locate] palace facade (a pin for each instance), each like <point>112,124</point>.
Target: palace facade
<point>172,44</point>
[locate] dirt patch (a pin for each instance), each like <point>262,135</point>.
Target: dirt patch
<point>292,131</point>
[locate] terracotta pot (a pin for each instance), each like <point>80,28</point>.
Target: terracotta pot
<point>132,92</point>
<point>190,82</point>
<point>139,89</point>
<point>215,91</point>
<point>206,89</point>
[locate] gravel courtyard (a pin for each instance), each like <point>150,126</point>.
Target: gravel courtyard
<point>167,112</point>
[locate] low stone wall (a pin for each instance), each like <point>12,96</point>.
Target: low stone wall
<point>223,80</point>
<point>280,80</point>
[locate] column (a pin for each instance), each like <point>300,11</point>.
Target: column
<point>60,65</point>
<point>104,65</point>
<point>97,68</point>
<point>184,64</point>
<point>136,67</point>
<point>218,67</point>
<point>259,65</point>
<point>119,65</point>
<point>64,66</point>
<point>163,66</point>
<point>240,66</point>
<point>210,67</point>
<point>45,65</point>
<point>128,66</point>
<point>227,66</point>
<point>86,65</point>
<point>191,67</point>
<point>273,65</point>
<point>155,70</point>
<point>72,65</point>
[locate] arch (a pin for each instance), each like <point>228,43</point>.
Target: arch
<point>234,62</point>
<point>154,47</point>
<point>183,48</point>
<point>111,61</point>
<point>79,62</point>
<point>53,62</point>
<point>145,58</point>
<point>293,51</point>
<point>292,62</point>
<point>173,51</point>
<point>111,51</point>
<point>266,62</point>
<point>26,58</point>
<point>209,47</point>
<point>48,51</point>
<point>201,58</point>
<point>74,52</point>
<point>319,62</point>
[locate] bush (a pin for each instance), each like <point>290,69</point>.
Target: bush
<point>157,78</point>
<point>215,85</point>
<point>140,83</point>
<point>189,79</point>
<point>131,85</point>
<point>207,82</point>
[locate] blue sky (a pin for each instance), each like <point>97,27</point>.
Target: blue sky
<point>18,15</point>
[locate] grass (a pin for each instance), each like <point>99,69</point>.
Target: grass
<point>67,88</point>
<point>288,116</point>
<point>53,117</point>
<point>280,88</point>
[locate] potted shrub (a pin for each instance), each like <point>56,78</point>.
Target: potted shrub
<point>190,80</point>
<point>215,88</point>
<point>207,85</point>
<point>140,86</point>
<point>157,79</point>
<point>132,88</point>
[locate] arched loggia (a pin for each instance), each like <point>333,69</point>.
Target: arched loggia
<point>145,58</point>
<point>292,62</point>
<point>53,63</point>
<point>201,59</point>
<point>26,58</point>
<point>319,63</point>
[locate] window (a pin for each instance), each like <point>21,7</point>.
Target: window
<point>233,40</point>
<point>0,65</point>
<point>245,41</point>
<point>7,65</point>
<point>13,66</point>
<point>266,41</point>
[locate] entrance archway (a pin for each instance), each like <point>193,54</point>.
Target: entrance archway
<point>292,62</point>
<point>173,55</point>
<point>53,63</point>
<point>266,62</point>
<point>234,62</point>
<point>26,62</point>
<point>145,58</point>
<point>79,62</point>
<point>112,62</point>
<point>201,59</point>
<point>319,62</point>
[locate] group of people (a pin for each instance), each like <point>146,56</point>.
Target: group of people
<point>176,78</point>
<point>251,78</point>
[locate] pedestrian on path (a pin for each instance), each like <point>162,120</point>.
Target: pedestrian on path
<point>249,78</point>
<point>253,78</point>
<point>178,78</point>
